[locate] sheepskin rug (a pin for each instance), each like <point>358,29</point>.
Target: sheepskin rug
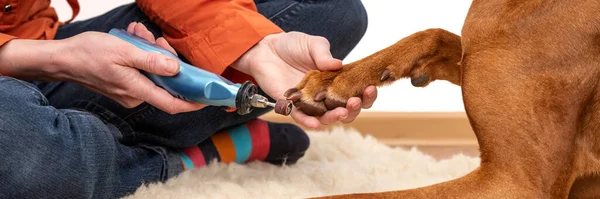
<point>339,161</point>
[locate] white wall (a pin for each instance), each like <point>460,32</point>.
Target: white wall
<point>389,21</point>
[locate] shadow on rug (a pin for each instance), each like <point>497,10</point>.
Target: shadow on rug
<point>340,161</point>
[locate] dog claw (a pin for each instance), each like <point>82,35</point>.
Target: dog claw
<point>311,110</point>
<point>320,96</point>
<point>385,75</point>
<point>295,96</point>
<point>331,104</point>
<point>290,91</point>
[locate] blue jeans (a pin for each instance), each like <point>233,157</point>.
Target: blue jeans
<point>60,140</point>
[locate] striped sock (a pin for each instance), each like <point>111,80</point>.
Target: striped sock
<point>254,140</point>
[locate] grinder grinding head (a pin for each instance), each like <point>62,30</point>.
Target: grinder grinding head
<point>283,107</point>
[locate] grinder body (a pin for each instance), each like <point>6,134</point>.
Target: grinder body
<point>194,84</point>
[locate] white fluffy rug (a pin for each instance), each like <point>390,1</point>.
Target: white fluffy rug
<point>340,161</point>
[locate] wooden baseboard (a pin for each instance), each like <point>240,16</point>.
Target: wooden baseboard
<point>402,128</point>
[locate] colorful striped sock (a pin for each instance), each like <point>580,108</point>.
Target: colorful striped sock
<point>254,140</point>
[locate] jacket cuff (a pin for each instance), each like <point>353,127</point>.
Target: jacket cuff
<point>216,49</point>
<point>3,39</point>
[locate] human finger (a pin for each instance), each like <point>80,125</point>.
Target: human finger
<point>305,120</point>
<point>353,105</point>
<point>155,63</point>
<point>141,31</point>
<point>162,42</point>
<point>130,27</point>
<point>333,116</point>
<point>319,50</point>
<point>161,99</point>
<point>369,96</point>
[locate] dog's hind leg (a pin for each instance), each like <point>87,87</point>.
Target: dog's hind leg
<point>587,160</point>
<point>586,187</point>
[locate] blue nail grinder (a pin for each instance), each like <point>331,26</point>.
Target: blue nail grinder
<point>200,86</point>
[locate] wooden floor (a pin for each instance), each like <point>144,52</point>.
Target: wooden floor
<point>438,134</point>
<point>444,152</point>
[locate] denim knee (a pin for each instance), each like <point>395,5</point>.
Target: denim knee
<point>354,15</point>
<point>58,153</point>
<point>342,22</point>
<point>41,148</point>
<point>347,20</point>
<point>29,146</point>
<point>13,91</point>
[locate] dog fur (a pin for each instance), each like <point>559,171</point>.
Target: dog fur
<point>529,72</point>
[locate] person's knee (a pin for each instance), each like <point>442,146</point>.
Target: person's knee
<point>342,22</point>
<point>22,109</point>
<point>17,96</point>
<point>355,16</point>
<point>43,149</point>
<point>355,22</point>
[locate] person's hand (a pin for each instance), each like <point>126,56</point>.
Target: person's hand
<point>110,66</point>
<point>102,63</point>
<point>280,61</point>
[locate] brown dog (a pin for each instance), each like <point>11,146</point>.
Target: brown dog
<point>529,72</point>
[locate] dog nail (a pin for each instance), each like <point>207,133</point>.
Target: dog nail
<point>295,96</point>
<point>312,110</point>
<point>290,91</point>
<point>332,104</point>
<point>385,75</point>
<point>320,96</point>
<point>297,104</point>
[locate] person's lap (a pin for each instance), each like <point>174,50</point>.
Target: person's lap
<point>134,138</point>
<point>63,153</point>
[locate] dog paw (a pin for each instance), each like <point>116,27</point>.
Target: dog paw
<point>317,93</point>
<point>322,91</point>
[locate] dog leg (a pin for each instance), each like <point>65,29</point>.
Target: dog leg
<point>587,158</point>
<point>586,187</point>
<point>424,57</point>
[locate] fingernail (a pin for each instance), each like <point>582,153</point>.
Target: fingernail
<point>371,94</point>
<point>356,106</point>
<point>171,66</point>
<point>343,117</point>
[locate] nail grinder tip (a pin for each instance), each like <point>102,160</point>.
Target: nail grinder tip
<point>283,107</point>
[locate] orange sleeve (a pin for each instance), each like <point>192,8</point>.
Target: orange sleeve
<point>3,39</point>
<point>210,34</point>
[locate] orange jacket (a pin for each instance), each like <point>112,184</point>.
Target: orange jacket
<point>210,34</point>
